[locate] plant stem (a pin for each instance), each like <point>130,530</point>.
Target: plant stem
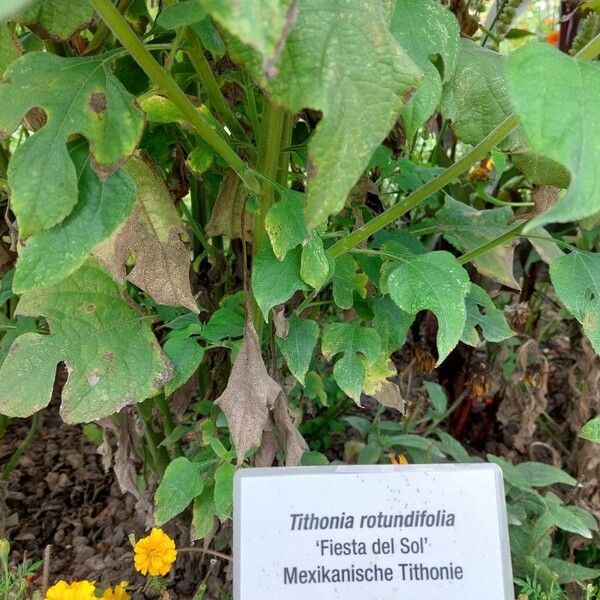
<point>158,454</point>
<point>103,31</point>
<point>168,425</point>
<point>167,84</point>
<point>426,190</point>
<point>497,241</point>
<point>16,456</point>
<point>210,85</point>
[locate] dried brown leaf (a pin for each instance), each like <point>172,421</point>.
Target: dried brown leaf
<point>226,218</point>
<point>291,440</point>
<point>153,236</point>
<point>249,395</point>
<point>269,446</point>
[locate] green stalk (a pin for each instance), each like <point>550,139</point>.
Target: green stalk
<point>103,31</point>
<point>497,241</point>
<point>168,425</point>
<point>588,52</point>
<point>195,53</point>
<point>431,187</point>
<point>119,26</point>
<point>158,454</point>
<point>16,456</point>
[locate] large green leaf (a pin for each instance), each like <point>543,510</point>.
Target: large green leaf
<point>467,228</point>
<point>298,346</point>
<point>558,124</point>
<point>576,279</point>
<point>341,59</point>
<point>180,484</point>
<point>49,256</point>
<point>274,281</point>
<point>433,281</point>
<point>57,19</point>
<point>111,355</point>
<point>427,31</point>
<point>353,342</point>
<point>78,96</point>
<point>483,315</point>
<point>261,24</point>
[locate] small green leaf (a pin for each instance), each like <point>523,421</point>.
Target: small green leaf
<point>314,388</point>
<point>315,264</point>
<point>111,355</point>
<point>79,96</point>
<point>200,159</point>
<point>299,345</point>
<point>353,342</point>
<point>185,12</point>
<point>311,74</point>
<point>437,397</point>
<point>591,431</point>
<point>569,572</point>
<point>274,281</point>
<point>186,355</point>
<point>482,314</point>
<point>57,19</point>
<point>223,495</point>
<point>541,475</point>
<point>391,323</point>
<point>433,281</point>
<point>203,517</point>
<point>426,30</point>
<point>285,223</point>
<point>180,484</point>
<point>541,105</point>
<point>10,47</point>
<point>347,280</point>
<point>576,279</point>
<point>564,518</point>
<point>227,321</point>
<point>51,255</point>
<point>314,459</point>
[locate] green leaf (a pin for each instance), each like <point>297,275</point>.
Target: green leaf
<point>347,280</point>
<point>591,431</point>
<point>315,263</point>
<point>180,484</point>
<point>51,255</point>
<point>227,321</point>
<point>510,473</point>
<point>314,388</point>
<point>185,12</point>
<point>433,281</point>
<point>203,517</point>
<point>541,475</point>
<point>569,572</point>
<point>79,95</point>
<point>576,279</point>
<point>427,31</point>
<point>391,323</point>
<point>353,342</point>
<point>10,47</point>
<point>339,55</point>
<point>285,223</point>
<point>437,397</point>
<point>223,495</point>
<point>186,355</point>
<point>110,352</point>
<point>12,8</point>
<point>57,19</point>
<point>482,315</point>
<point>154,234</point>
<point>542,106</point>
<point>314,459</point>
<point>564,518</point>
<point>467,228</point>
<point>261,24</point>
<point>274,281</point>
<point>299,345</point>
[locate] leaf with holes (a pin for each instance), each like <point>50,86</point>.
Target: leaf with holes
<point>354,343</point>
<point>576,279</point>
<point>111,355</point>
<point>360,96</point>
<point>558,125</point>
<point>155,235</point>
<point>299,345</point>
<point>428,32</point>
<point>482,314</point>
<point>57,19</point>
<point>180,484</point>
<point>49,256</point>
<point>433,281</point>
<point>78,95</point>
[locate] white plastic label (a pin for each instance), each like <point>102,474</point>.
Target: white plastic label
<point>415,532</point>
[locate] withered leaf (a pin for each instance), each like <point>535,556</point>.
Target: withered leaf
<point>226,218</point>
<point>154,237</point>
<point>291,440</point>
<point>249,395</point>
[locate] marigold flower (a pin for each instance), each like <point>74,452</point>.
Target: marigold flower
<point>552,38</point>
<point>155,553</point>
<point>78,590</point>
<point>119,592</point>
<point>398,460</point>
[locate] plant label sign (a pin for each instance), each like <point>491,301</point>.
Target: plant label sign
<point>415,532</point>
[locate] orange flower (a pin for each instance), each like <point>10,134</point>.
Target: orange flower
<point>552,38</point>
<point>155,553</point>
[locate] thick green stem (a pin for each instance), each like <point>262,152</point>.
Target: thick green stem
<point>497,241</point>
<point>210,85</point>
<point>157,452</point>
<point>16,456</point>
<point>167,84</point>
<point>168,425</point>
<point>431,187</point>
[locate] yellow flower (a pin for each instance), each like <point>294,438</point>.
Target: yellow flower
<point>117,593</point>
<point>398,460</point>
<point>155,553</point>
<point>78,590</point>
